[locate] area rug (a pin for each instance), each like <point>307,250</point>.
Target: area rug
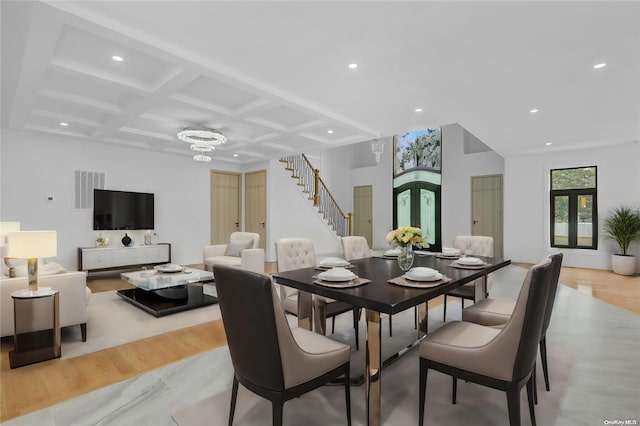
<point>476,405</point>
<point>113,321</point>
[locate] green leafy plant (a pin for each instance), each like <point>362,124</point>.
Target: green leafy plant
<point>623,226</point>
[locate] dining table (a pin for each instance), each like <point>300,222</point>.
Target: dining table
<point>374,292</point>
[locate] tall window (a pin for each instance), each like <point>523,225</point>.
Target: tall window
<point>574,208</point>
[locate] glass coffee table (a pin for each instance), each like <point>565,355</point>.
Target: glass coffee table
<point>163,293</point>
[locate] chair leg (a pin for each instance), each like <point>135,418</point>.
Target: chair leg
<point>543,356</point>
<point>454,390</point>
<point>423,389</point>
<point>333,324</point>
<point>513,402</point>
<point>234,396</point>
<point>356,319</point>
<point>535,383</point>
<point>444,310</point>
<point>83,331</point>
<point>530,392</point>
<point>347,394</point>
<point>415,317</point>
<point>390,326</point>
<point>277,406</point>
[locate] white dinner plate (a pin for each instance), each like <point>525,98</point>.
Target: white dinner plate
<point>392,253</point>
<point>337,278</point>
<point>469,261</point>
<point>435,277</point>
<point>333,261</point>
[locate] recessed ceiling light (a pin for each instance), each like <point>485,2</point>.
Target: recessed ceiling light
<point>330,131</point>
<point>418,109</point>
<point>117,58</point>
<point>601,65</point>
<point>235,155</point>
<point>533,111</point>
<point>63,124</point>
<point>549,143</point>
<point>353,66</point>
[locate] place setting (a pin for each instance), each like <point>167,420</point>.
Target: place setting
<point>449,253</point>
<point>391,254</point>
<point>333,262</point>
<point>339,278</point>
<point>420,277</point>
<point>468,262</point>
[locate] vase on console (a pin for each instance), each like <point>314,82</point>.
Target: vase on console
<point>126,240</point>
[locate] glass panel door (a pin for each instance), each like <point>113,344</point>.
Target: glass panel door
<point>428,215</point>
<point>403,203</point>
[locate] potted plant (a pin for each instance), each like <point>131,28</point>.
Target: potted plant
<point>623,226</point>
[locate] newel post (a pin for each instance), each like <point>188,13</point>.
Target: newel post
<point>316,187</point>
<point>350,223</point>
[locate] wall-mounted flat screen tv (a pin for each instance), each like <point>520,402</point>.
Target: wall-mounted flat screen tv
<point>122,210</point>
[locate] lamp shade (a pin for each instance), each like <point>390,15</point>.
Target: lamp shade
<point>33,244</point>
<point>8,227</point>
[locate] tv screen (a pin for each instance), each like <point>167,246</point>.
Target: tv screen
<point>122,210</point>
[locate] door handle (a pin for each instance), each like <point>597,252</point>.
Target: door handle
<point>237,224</point>
<point>475,222</point>
<point>262,223</point>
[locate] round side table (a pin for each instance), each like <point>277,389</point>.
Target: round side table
<point>36,326</point>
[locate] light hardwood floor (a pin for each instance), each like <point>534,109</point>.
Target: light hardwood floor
<point>37,386</point>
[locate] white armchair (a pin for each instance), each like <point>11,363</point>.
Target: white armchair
<point>242,252</point>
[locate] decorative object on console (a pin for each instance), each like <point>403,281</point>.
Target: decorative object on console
<point>102,241</point>
<point>33,245</point>
<point>126,240</point>
<point>147,238</point>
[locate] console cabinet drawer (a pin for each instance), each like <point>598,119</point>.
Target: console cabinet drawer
<point>97,258</point>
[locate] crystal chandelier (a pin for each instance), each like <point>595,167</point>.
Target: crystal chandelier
<point>377,148</point>
<point>202,135</point>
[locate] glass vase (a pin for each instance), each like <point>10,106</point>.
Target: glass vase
<point>405,258</point>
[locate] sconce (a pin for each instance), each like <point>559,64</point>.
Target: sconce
<point>377,148</point>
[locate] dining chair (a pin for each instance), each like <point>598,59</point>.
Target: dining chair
<point>297,253</point>
<point>473,245</point>
<point>269,358</point>
<point>497,312</point>
<point>501,359</point>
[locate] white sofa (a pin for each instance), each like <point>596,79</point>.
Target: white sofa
<point>242,252</point>
<point>73,296</point>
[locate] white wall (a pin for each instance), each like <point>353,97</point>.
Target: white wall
<point>527,201</point>
<point>457,170</point>
<point>33,169</point>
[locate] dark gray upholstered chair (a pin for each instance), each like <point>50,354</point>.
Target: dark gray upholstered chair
<point>496,312</point>
<point>472,245</point>
<point>297,253</point>
<point>269,358</point>
<point>501,359</point>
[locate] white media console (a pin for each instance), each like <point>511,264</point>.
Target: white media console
<point>103,258</point>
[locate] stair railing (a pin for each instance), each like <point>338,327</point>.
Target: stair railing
<point>313,185</point>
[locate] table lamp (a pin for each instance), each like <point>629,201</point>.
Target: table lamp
<point>32,245</point>
<point>6,228</point>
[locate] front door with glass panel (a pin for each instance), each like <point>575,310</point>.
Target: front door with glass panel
<point>418,204</point>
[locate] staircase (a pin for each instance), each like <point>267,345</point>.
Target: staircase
<point>313,186</point>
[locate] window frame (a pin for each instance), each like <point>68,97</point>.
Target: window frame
<point>573,196</point>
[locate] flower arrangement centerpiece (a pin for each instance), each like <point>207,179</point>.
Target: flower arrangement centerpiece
<point>406,236</point>
<point>102,241</point>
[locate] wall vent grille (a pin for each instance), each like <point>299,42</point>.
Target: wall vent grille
<point>83,185</point>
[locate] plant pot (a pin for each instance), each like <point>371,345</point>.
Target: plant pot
<point>623,264</point>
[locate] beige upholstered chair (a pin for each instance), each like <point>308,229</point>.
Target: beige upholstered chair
<point>298,253</point>
<point>497,312</point>
<point>269,358</point>
<point>242,251</point>
<point>472,246</point>
<point>501,359</point>
<point>355,247</point>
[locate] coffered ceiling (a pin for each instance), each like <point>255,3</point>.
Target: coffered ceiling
<point>274,76</point>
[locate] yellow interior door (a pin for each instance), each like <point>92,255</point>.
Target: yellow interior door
<point>255,204</point>
<point>362,212</point>
<point>225,205</point>
<point>486,209</point>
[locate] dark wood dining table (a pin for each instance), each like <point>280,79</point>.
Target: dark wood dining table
<point>380,296</point>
